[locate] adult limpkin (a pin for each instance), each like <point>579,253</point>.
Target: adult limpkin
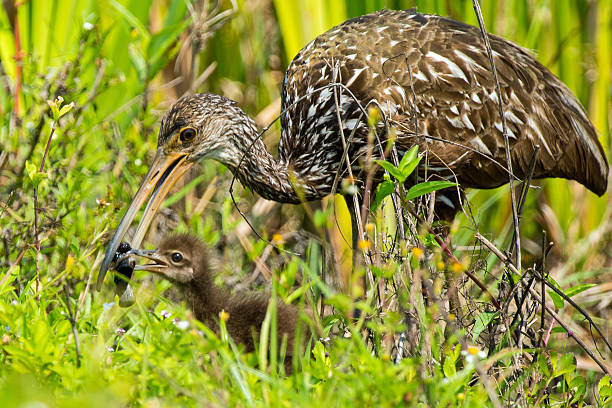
<point>431,79</point>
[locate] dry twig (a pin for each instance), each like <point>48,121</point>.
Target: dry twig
<point>538,298</point>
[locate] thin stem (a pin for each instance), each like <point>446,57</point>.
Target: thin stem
<point>36,239</point>
<point>538,298</point>
<point>515,216</point>
<point>8,273</point>
<point>75,332</point>
<point>542,288</point>
<point>453,258</point>
<point>42,164</point>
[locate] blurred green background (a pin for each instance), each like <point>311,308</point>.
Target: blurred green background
<point>123,63</point>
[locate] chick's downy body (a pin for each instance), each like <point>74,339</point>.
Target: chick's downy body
<point>182,259</point>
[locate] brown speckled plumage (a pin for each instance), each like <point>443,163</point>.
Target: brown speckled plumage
<point>455,101</point>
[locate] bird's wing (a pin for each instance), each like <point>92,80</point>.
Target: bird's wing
<point>433,74</point>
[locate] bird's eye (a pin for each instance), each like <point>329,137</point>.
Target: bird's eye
<point>187,134</point>
<point>176,257</point>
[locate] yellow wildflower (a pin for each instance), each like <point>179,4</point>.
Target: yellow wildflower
<point>363,244</point>
<point>223,315</point>
<point>417,252</point>
<point>473,350</point>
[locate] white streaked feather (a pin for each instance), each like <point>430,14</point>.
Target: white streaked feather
<point>354,77</point>
<point>478,144</point>
<point>536,130</point>
<point>509,115</point>
<point>420,76</point>
<point>454,68</point>
<point>584,136</point>
<point>466,120</point>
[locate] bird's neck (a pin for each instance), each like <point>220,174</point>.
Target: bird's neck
<point>257,169</point>
<point>204,298</point>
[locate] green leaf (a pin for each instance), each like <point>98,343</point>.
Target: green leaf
<point>543,367</point>
<point>556,298</point>
<point>33,174</point>
<point>449,367</point>
<point>66,109</point>
<point>341,302</point>
<point>138,62</point>
<point>410,156</point>
<point>319,352</point>
<point>430,241</point>
<point>482,321</point>
<point>579,384</point>
<point>55,107</point>
<point>160,43</point>
<point>566,364</point>
<point>183,191</point>
<point>31,169</point>
<point>515,277</point>
<point>132,20</point>
<point>603,388</point>
<point>394,171</point>
<point>457,352</point>
<point>427,187</point>
<point>573,291</point>
<point>383,190</point>
<point>54,110</point>
<point>321,218</point>
<point>384,272</point>
<point>558,329</point>
<point>409,162</point>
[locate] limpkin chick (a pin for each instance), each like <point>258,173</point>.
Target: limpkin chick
<point>182,259</point>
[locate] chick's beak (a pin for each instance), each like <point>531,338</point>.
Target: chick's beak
<point>159,265</point>
<point>165,170</point>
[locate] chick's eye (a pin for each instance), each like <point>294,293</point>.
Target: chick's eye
<point>176,257</point>
<point>187,134</point>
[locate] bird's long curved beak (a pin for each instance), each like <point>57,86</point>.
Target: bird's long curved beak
<point>165,170</point>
